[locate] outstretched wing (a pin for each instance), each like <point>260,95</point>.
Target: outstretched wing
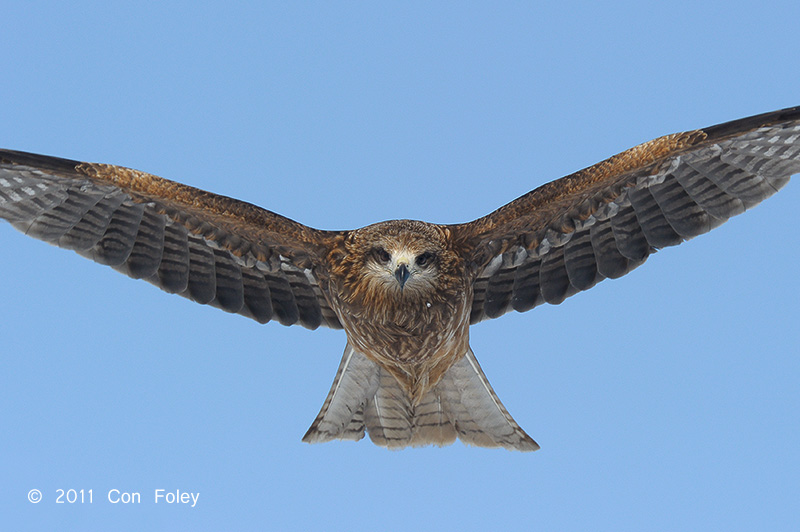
<point>211,249</point>
<point>605,220</point>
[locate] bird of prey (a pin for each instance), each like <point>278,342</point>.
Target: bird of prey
<point>406,292</point>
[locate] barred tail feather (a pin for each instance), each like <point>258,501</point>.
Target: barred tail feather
<point>366,398</point>
<point>342,414</point>
<point>479,416</point>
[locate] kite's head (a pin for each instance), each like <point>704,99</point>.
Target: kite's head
<point>399,263</point>
<point>403,257</point>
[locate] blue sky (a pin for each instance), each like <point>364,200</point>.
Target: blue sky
<point>666,400</point>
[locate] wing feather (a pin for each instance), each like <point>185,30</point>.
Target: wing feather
<point>605,220</point>
<point>173,271</point>
<point>211,249</point>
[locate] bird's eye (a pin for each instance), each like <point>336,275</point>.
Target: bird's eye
<point>381,255</point>
<point>425,259</point>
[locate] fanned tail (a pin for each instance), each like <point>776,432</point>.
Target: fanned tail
<point>366,398</point>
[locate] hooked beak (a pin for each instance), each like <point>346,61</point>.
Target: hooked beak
<point>402,274</point>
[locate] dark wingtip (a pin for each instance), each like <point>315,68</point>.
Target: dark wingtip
<point>752,122</point>
<point>45,162</point>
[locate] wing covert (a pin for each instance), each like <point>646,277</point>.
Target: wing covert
<point>605,220</point>
<point>209,248</point>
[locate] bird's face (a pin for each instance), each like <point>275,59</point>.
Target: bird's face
<point>403,268</point>
<point>399,263</point>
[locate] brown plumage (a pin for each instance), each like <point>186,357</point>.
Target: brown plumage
<point>406,292</point>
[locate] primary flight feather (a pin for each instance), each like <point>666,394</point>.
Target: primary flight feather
<point>405,291</point>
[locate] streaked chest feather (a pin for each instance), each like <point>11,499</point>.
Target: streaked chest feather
<point>411,334</point>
